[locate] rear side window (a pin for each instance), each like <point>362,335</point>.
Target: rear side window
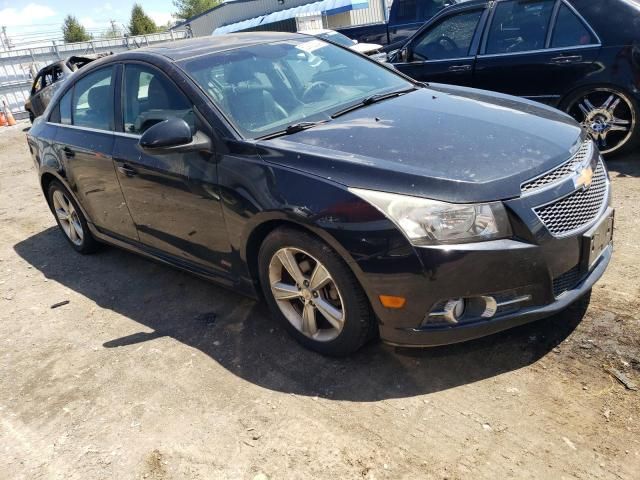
<point>61,113</point>
<point>519,26</point>
<point>451,38</point>
<point>570,31</point>
<point>92,103</point>
<point>406,11</point>
<point>150,98</point>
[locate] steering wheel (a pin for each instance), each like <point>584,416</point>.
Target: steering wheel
<point>447,43</point>
<point>314,91</point>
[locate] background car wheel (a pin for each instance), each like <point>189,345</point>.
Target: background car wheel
<point>310,288</point>
<point>609,115</point>
<point>31,117</point>
<point>70,218</point>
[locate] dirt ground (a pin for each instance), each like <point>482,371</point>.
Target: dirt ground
<point>148,372</point>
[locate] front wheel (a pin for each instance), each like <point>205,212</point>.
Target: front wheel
<point>609,115</point>
<point>70,218</point>
<point>313,292</point>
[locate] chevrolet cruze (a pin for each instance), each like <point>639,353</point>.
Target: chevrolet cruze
<point>357,201</point>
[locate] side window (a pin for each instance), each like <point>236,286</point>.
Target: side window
<point>38,84</point>
<point>92,103</point>
<point>406,11</point>
<point>451,38</point>
<point>570,31</point>
<point>61,113</point>
<point>519,26</point>
<point>150,98</point>
<point>65,108</point>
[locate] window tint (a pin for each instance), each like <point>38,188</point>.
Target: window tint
<point>519,25</point>
<point>65,108</point>
<point>451,38</point>
<point>92,103</point>
<point>406,11</point>
<point>569,30</point>
<point>150,98</point>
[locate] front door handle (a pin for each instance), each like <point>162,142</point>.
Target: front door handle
<point>563,60</point>
<point>127,170</point>
<point>459,68</point>
<point>68,152</point>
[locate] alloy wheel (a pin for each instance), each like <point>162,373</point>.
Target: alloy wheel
<point>607,115</point>
<point>306,294</point>
<point>68,217</point>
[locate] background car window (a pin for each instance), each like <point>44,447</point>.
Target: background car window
<point>92,104</point>
<point>569,30</point>
<point>38,84</point>
<point>519,25</point>
<point>451,38</point>
<point>150,98</point>
<point>406,11</point>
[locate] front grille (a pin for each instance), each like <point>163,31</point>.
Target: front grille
<point>577,209</point>
<point>566,281</point>
<point>561,172</point>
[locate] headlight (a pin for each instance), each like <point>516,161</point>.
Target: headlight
<point>430,222</point>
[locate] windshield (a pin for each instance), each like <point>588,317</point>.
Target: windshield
<point>263,89</point>
<point>338,38</point>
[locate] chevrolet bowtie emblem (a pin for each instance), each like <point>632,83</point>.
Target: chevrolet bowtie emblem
<point>583,177</point>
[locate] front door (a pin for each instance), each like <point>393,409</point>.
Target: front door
<point>84,144</point>
<point>536,49</point>
<point>444,51</point>
<point>173,198</point>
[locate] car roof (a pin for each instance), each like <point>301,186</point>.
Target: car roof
<point>194,47</point>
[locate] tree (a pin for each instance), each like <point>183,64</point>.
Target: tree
<point>73,31</point>
<point>140,22</point>
<point>191,8</point>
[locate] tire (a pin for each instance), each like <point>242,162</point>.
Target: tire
<point>341,312</point>
<point>596,115</point>
<point>31,117</point>
<point>75,230</point>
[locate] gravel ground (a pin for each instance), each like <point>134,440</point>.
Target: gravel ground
<point>148,372</point>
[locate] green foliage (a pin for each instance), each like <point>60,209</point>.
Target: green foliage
<point>191,8</point>
<point>73,31</point>
<point>140,22</point>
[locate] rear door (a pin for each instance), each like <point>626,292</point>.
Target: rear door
<point>84,144</point>
<point>445,50</point>
<point>536,49</point>
<point>173,198</point>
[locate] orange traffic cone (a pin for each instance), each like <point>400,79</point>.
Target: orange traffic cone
<point>7,113</point>
<point>3,119</point>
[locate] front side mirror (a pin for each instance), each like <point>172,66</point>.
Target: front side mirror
<point>403,55</point>
<point>173,136</point>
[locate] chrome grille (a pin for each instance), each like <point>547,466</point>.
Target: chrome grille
<point>565,282</point>
<point>577,209</point>
<point>561,172</point>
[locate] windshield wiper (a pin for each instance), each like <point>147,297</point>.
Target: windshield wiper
<point>372,99</point>
<point>293,128</point>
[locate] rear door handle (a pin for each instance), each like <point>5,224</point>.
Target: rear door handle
<point>127,170</point>
<point>562,60</point>
<point>459,68</point>
<point>68,152</point>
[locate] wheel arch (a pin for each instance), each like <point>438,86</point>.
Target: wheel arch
<point>261,230</point>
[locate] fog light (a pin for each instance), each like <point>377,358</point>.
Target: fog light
<point>454,309</point>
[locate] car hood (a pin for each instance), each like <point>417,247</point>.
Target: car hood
<point>447,143</point>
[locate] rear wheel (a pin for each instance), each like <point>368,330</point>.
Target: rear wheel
<point>609,115</point>
<point>70,218</point>
<point>313,292</point>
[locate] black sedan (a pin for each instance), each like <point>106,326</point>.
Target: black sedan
<point>357,201</point>
<point>582,56</point>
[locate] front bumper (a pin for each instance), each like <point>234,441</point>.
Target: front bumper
<point>433,336</point>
